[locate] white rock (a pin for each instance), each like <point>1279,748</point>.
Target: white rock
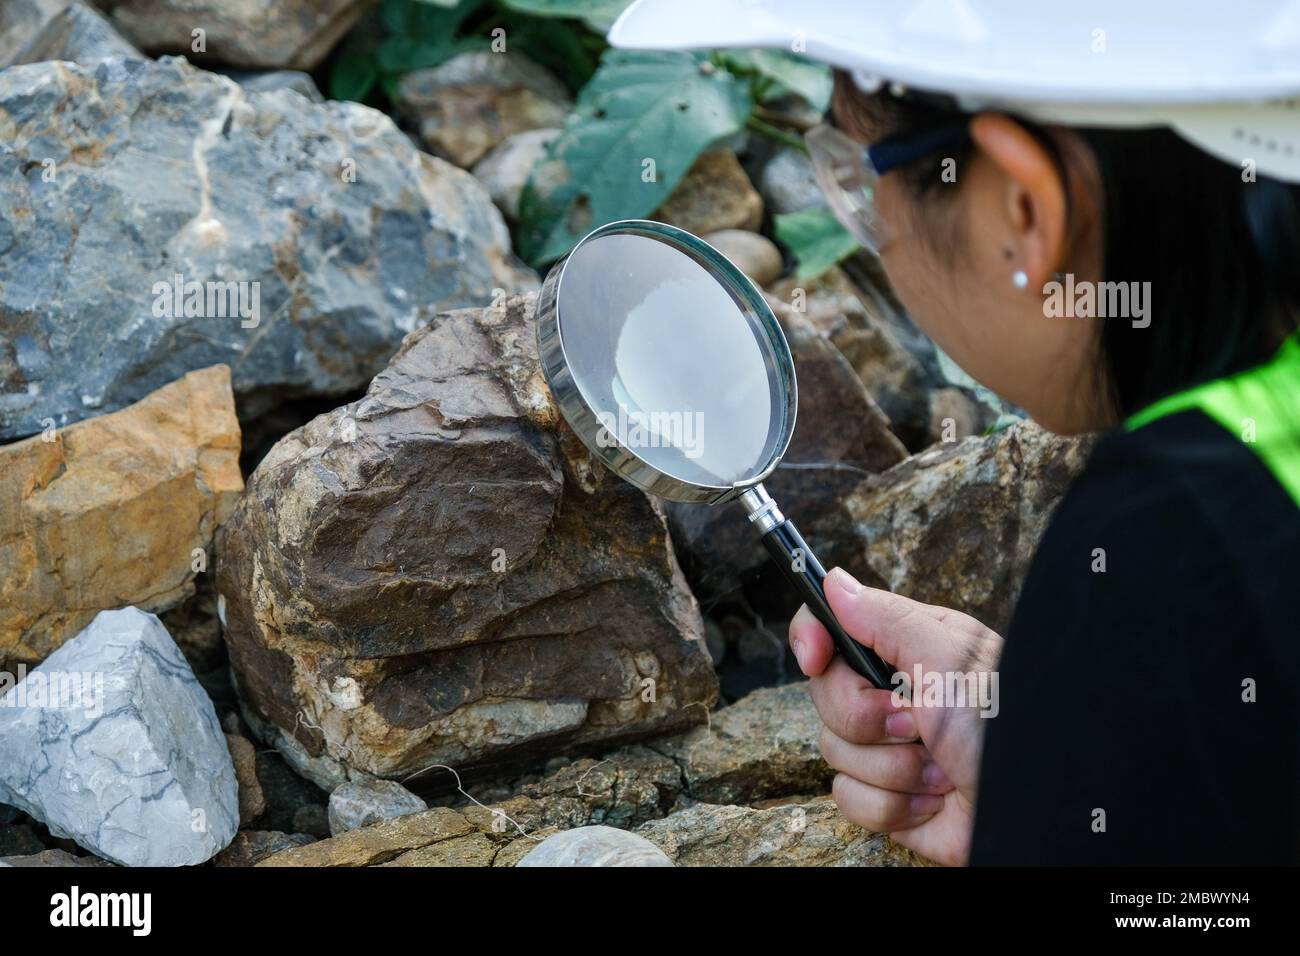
<point>595,846</point>
<point>134,767</point>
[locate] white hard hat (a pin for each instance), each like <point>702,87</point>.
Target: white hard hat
<point>1226,76</point>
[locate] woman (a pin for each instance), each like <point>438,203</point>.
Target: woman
<point>1147,705</point>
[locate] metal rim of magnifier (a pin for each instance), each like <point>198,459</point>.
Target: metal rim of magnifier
<point>578,412</point>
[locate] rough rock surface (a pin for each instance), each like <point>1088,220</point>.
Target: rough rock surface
<point>840,436</point>
<point>474,101</point>
<point>359,803</point>
<point>958,525</point>
<point>378,843</point>
<point>135,767</point>
<point>287,33</point>
<point>595,846</point>
<point>250,847</point>
<point>440,573</point>
<point>78,34</point>
<point>762,746</point>
<point>243,757</point>
<point>716,194</point>
<point>53,858</point>
<point>118,177</point>
<point>807,834</point>
<point>20,21</point>
<point>111,511</point>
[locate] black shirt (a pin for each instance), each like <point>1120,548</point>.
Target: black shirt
<point>1121,692</point>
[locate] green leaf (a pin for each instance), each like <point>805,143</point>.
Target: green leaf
<point>599,15</point>
<point>354,75</point>
<point>783,73</point>
<point>557,46</point>
<point>662,107</point>
<point>816,240</point>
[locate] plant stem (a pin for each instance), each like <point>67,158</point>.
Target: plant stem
<point>776,133</point>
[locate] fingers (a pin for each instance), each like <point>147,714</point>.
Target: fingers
<point>905,768</point>
<point>902,631</point>
<point>883,811</point>
<point>856,711</point>
<point>810,642</point>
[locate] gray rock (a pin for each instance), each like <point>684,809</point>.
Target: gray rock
<point>474,101</point>
<point>270,80</point>
<point>595,846</point>
<point>135,768</point>
<point>787,183</point>
<point>288,33</point>
<point>159,169</point>
<point>505,170</point>
<point>359,803</point>
<point>20,21</point>
<point>77,34</point>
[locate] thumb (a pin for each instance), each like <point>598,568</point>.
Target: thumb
<point>902,631</point>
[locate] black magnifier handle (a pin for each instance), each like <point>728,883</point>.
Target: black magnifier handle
<point>789,550</point>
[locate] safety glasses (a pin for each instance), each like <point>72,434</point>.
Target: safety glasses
<point>848,172</point>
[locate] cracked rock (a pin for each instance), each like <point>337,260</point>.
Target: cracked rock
<point>440,573</point>
<point>134,767</point>
<point>159,218</point>
<point>118,509</point>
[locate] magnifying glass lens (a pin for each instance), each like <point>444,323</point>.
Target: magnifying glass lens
<point>675,369</point>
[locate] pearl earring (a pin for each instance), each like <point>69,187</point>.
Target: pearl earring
<point>1019,279</point>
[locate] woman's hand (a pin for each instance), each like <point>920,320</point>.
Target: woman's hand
<point>922,792</point>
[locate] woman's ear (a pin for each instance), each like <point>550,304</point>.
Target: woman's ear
<point>1034,197</point>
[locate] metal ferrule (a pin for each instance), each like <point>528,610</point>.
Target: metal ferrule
<point>761,508</point>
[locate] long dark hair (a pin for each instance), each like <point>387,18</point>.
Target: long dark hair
<point>1222,253</point>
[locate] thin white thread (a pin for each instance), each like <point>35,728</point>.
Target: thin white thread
<point>302,721</point>
<point>584,777</point>
<point>468,796</point>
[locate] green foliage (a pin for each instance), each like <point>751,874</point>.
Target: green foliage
<point>816,240</point>
<point>637,128</point>
<point>777,74</point>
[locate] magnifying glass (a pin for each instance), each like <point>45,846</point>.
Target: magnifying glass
<point>666,361</point>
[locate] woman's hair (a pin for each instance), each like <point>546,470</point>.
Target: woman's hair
<point>1222,254</point>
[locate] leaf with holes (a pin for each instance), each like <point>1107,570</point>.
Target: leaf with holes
<point>637,127</point>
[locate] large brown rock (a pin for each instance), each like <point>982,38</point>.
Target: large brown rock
<point>293,34</point>
<point>958,525</point>
<point>440,573</point>
<point>112,510</point>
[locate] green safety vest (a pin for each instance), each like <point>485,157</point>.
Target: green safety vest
<point>1260,406</point>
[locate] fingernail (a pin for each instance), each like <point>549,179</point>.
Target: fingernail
<point>796,645</point>
<point>933,775</point>
<point>901,725</point>
<point>925,804</point>
<point>844,581</point>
